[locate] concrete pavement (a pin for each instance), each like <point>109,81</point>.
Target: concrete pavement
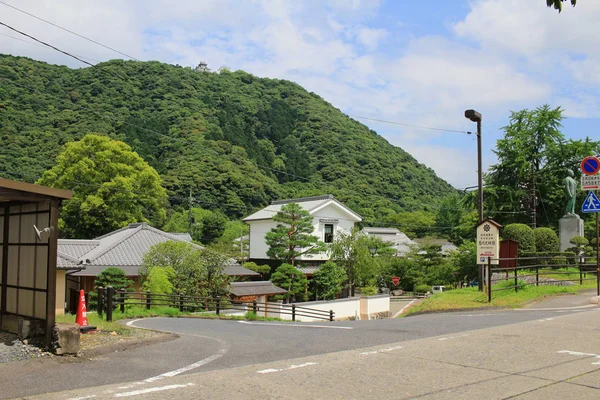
<point>554,357</point>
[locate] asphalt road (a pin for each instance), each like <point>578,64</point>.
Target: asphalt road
<point>207,345</point>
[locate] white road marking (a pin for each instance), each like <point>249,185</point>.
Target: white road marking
<point>190,367</point>
<point>403,308</point>
<point>557,308</point>
<point>152,390</point>
<point>452,337</point>
<point>271,370</point>
<point>297,325</point>
<point>578,353</point>
<point>178,371</point>
<point>381,350</point>
<point>82,398</point>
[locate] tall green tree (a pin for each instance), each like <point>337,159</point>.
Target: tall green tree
<point>112,187</point>
<point>329,281</point>
<point>292,237</point>
<point>352,251</point>
<point>533,157</point>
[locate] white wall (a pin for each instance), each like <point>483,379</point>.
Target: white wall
<point>373,305</point>
<point>258,230</point>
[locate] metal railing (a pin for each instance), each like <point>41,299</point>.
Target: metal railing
<point>110,299</point>
<point>541,268</point>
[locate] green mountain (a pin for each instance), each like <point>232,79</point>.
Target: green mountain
<point>234,140</point>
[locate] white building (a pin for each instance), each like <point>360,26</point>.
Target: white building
<point>330,217</point>
<point>401,243</point>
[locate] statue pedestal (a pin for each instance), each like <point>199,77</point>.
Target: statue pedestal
<point>569,226</point>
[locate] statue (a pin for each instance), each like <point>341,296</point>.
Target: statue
<point>571,186</point>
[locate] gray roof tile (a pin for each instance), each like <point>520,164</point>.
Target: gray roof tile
<point>307,203</point>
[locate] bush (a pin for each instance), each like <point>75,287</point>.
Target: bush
<point>422,288</point>
<point>523,234</point>
<point>368,291</point>
<point>546,240</point>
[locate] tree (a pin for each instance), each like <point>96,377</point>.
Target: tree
<point>546,240</point>
<point>557,4</point>
<point>158,281</point>
<point>289,278</point>
<point>329,281</point>
<point>263,270</point>
<point>464,261</point>
<point>112,187</point>
<point>351,251</point>
<point>533,157</point>
<point>114,277</point>
<point>204,226</point>
<point>292,237</point>
<point>215,280</point>
<point>182,259</point>
<point>523,234</point>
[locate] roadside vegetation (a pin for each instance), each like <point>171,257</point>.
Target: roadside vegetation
<point>471,298</point>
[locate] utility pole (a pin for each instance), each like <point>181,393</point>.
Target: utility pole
<point>533,199</point>
<point>190,218</point>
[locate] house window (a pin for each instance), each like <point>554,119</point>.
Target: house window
<point>328,233</point>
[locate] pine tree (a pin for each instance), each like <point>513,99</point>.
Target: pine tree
<point>292,237</point>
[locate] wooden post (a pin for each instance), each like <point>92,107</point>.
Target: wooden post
<point>101,293</point>
<point>122,300</point>
<point>148,299</point>
<point>181,302</point>
<point>110,293</point>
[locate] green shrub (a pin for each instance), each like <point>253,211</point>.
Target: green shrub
<point>422,288</point>
<point>368,291</point>
<point>546,240</point>
<point>523,234</point>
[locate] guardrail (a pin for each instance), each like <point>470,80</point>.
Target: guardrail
<point>109,299</point>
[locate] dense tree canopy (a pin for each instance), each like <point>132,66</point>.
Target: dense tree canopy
<point>234,140</point>
<point>557,4</point>
<point>115,187</point>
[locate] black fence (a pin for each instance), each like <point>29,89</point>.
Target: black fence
<point>539,271</point>
<point>110,299</point>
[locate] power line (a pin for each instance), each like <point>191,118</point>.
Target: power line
<point>71,32</point>
<point>409,125</point>
<point>41,45</point>
<point>46,44</point>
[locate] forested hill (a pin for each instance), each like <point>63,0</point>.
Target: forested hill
<point>235,140</point>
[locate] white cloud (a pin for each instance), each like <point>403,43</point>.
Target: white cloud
<point>371,37</point>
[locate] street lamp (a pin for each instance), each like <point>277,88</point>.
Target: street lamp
<point>476,117</point>
<point>373,251</point>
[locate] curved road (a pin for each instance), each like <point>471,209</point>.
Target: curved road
<point>221,344</point>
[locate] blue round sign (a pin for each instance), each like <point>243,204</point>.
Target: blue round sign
<point>590,165</point>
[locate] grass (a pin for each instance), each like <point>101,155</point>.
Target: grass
<point>469,298</point>
<point>100,323</point>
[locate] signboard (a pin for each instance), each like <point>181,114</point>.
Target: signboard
<point>591,204</point>
<point>395,280</point>
<point>328,221</point>
<point>590,182</point>
<point>590,165</point>
<point>488,242</point>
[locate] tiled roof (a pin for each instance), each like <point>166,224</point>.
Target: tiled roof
<point>261,288</point>
<point>308,270</point>
<point>182,235</point>
<point>307,203</point>
<point>76,248</point>
<point>66,262</point>
<point>447,246</point>
<point>125,249</point>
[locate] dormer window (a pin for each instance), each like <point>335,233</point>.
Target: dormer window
<point>328,233</point>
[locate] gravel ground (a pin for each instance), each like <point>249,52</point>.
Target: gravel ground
<point>13,349</point>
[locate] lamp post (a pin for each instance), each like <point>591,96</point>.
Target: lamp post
<point>373,251</point>
<point>476,117</point>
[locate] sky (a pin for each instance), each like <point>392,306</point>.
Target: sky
<point>411,62</point>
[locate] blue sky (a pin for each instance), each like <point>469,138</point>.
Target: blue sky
<point>413,62</point>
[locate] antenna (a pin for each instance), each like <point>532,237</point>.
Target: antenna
<point>38,233</point>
